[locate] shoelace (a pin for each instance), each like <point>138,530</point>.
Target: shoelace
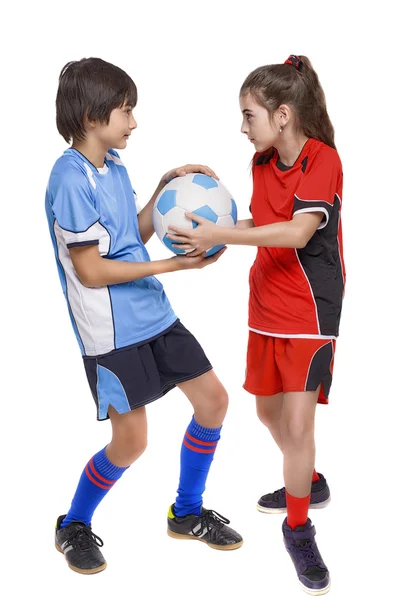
<point>308,553</point>
<point>277,493</point>
<point>84,538</point>
<point>207,518</point>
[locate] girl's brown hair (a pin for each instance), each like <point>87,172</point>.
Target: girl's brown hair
<point>296,84</point>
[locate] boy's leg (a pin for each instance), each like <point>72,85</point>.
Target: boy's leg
<point>187,518</point>
<point>73,532</point>
<point>297,428</point>
<point>210,403</point>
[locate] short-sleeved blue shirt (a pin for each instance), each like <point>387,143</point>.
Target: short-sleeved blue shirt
<point>85,205</point>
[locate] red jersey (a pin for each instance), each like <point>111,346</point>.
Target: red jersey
<point>298,292</point>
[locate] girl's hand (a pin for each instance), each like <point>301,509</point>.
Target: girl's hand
<point>181,171</point>
<point>200,239</point>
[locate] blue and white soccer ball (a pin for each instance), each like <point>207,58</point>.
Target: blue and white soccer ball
<point>194,193</point>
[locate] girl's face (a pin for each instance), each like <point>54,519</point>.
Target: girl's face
<point>262,131</point>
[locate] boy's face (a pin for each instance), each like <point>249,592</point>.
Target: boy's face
<point>118,130</point>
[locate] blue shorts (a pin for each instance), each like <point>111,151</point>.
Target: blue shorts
<point>136,375</point>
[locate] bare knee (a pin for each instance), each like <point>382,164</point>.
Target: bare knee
<point>210,410</point>
<point>127,446</point>
<point>269,410</point>
<point>129,437</point>
<point>218,403</point>
<point>267,417</point>
<point>297,433</point>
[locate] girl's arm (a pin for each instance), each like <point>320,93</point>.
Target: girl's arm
<point>286,234</point>
<point>245,224</point>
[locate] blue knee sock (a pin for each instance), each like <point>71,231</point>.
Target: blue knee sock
<point>198,447</point>
<point>96,480</point>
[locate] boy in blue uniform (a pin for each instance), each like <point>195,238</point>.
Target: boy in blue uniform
<point>134,348</point>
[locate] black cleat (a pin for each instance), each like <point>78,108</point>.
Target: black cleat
<point>80,547</point>
<point>210,527</point>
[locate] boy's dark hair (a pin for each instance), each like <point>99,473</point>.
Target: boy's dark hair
<point>298,86</point>
<point>90,89</point>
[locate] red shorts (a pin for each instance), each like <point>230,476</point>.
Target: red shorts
<point>276,365</point>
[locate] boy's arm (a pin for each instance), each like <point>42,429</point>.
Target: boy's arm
<point>95,271</point>
<point>145,217</point>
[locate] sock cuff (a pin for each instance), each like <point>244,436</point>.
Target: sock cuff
<point>105,467</point>
<point>204,433</point>
<point>296,498</point>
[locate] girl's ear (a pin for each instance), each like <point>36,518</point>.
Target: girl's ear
<point>284,114</point>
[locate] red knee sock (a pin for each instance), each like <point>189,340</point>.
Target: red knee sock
<point>297,510</point>
<point>315,476</point>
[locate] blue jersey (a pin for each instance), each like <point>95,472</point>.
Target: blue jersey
<point>85,206</point>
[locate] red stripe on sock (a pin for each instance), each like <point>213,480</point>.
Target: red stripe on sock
<point>196,441</point>
<point>92,479</point>
<point>201,450</point>
<point>108,481</point>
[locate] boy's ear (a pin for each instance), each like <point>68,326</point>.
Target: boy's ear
<point>89,123</point>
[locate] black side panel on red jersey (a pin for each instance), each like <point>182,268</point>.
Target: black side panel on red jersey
<point>320,369</point>
<point>322,265</point>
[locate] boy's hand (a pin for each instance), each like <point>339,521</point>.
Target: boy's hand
<point>197,262</point>
<point>181,171</point>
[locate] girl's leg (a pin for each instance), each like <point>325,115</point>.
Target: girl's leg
<point>269,410</point>
<point>297,431</point>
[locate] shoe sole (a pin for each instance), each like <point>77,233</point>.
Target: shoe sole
<point>312,592</point>
<point>184,536</point>
<point>273,511</point>
<point>82,571</point>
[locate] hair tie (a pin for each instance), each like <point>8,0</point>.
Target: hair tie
<point>294,61</point>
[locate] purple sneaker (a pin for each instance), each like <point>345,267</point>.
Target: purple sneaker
<point>311,569</point>
<point>276,502</point>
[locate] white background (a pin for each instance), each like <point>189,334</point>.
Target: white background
<point>188,60</point>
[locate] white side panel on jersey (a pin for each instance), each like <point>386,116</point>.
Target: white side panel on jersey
<point>96,232</point>
<point>138,207</point>
<point>90,176</point>
<point>91,307</point>
<point>115,159</point>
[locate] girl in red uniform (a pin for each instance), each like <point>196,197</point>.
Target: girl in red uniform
<point>296,283</point>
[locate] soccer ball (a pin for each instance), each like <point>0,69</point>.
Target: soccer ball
<point>194,193</point>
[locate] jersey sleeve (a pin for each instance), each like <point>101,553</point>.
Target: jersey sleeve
<point>77,219</point>
<point>318,187</point>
